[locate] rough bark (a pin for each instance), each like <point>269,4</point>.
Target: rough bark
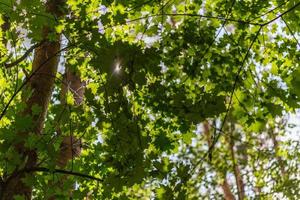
<point>40,86</point>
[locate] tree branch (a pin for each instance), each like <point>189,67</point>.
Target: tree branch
<point>279,16</point>
<point>28,51</point>
<point>212,17</point>
<point>196,15</point>
<point>59,171</point>
<point>289,28</point>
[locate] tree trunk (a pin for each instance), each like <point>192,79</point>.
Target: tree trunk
<point>225,186</point>
<point>226,189</point>
<point>40,86</point>
<point>70,146</point>
<point>276,149</point>
<point>237,173</point>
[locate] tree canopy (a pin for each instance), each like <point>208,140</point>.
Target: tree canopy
<point>149,99</point>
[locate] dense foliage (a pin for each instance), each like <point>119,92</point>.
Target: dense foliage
<point>183,99</point>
